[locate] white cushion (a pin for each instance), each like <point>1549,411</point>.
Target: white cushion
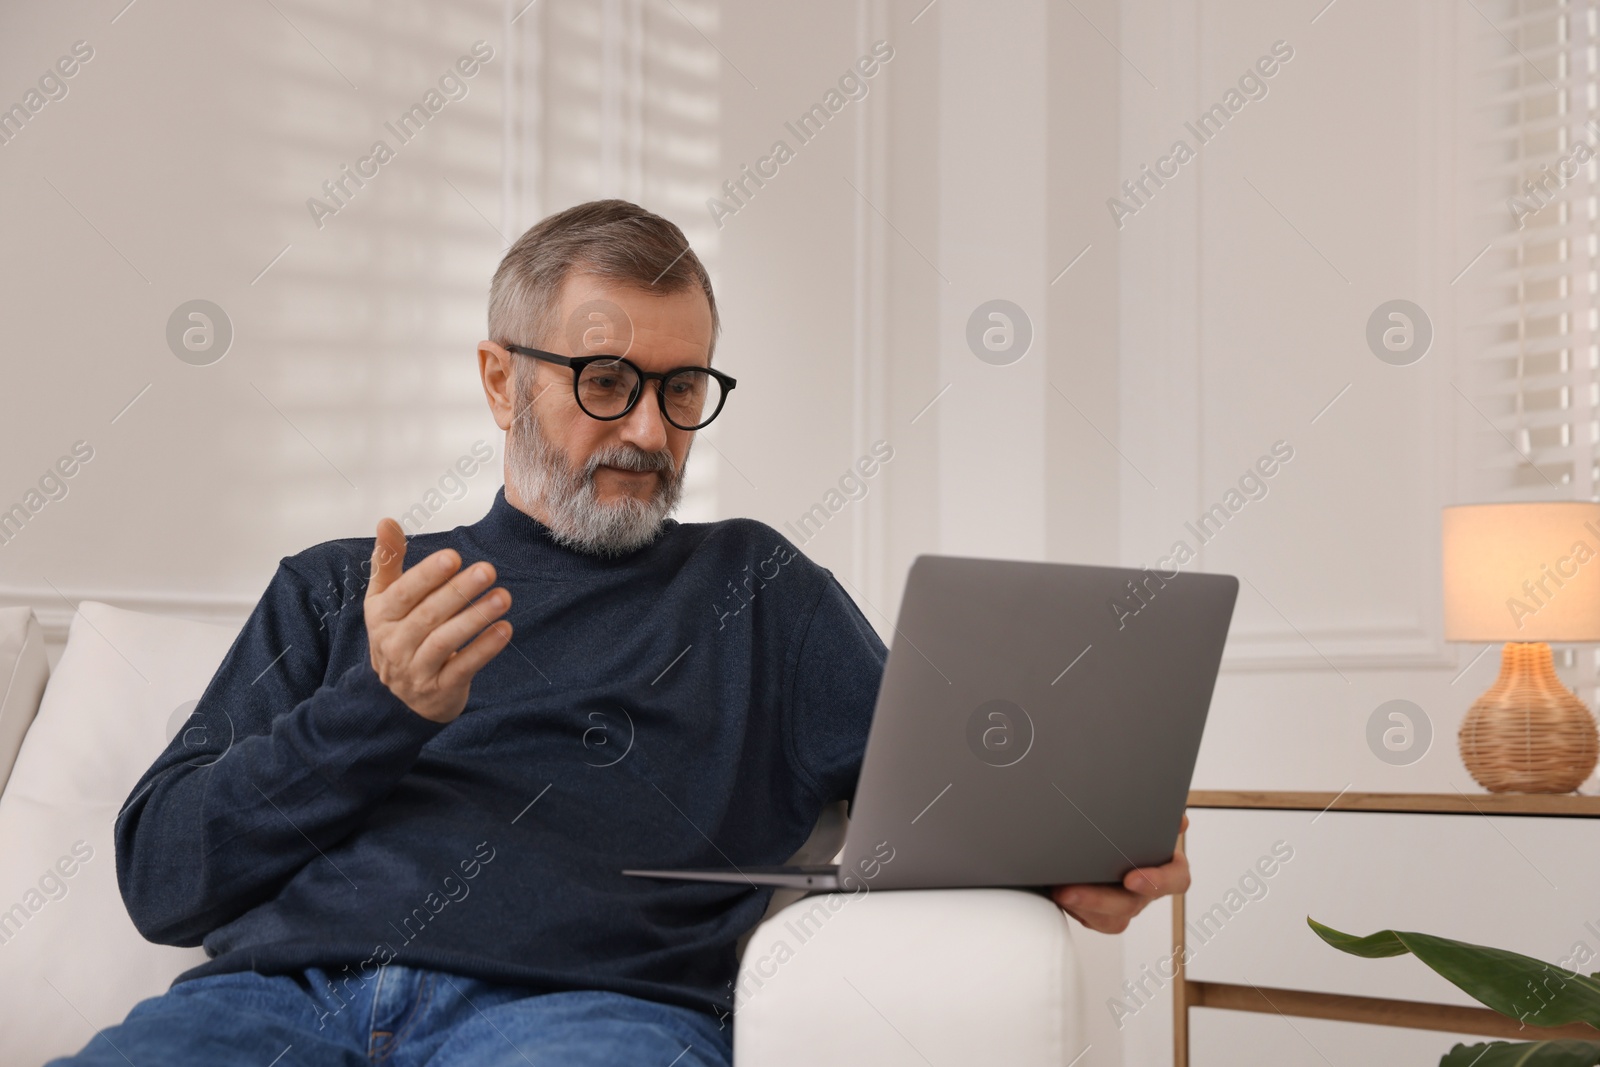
<point>910,977</point>
<point>24,670</point>
<point>71,959</point>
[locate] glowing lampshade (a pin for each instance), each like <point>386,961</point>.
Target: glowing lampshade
<point>1525,574</point>
<point>1522,572</point>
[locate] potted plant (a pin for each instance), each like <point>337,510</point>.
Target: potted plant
<point>1519,987</point>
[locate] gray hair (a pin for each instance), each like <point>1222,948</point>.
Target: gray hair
<point>612,240</point>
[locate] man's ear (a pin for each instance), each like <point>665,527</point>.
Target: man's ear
<point>494,368</point>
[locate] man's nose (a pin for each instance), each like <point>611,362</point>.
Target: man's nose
<point>643,427</point>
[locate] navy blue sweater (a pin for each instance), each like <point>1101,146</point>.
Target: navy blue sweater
<point>695,703</point>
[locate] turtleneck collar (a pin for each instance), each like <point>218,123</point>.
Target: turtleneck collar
<point>513,538</point>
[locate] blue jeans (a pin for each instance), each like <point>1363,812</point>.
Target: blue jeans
<point>400,1017</point>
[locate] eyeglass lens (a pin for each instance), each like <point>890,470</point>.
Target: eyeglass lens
<point>606,388</point>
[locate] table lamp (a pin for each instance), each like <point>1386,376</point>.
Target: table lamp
<point>1525,574</point>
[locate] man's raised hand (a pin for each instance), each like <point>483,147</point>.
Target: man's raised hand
<point>418,621</point>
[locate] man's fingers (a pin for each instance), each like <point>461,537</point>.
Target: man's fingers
<point>1103,908</point>
<point>405,635</point>
<point>1100,900</point>
<point>464,664</point>
<point>1139,886</point>
<point>439,644</point>
<point>412,587</point>
<point>1160,881</point>
<point>446,601</point>
<point>1110,908</point>
<point>388,556</point>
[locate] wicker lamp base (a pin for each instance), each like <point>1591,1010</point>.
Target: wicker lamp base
<point>1529,733</point>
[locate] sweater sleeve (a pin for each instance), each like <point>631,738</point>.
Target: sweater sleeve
<point>837,669</point>
<point>275,765</point>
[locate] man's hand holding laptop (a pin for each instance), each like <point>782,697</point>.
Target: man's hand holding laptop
<point>1109,909</point>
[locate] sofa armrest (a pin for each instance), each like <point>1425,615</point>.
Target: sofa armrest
<point>910,977</point>
<point>24,671</point>
<point>823,846</point>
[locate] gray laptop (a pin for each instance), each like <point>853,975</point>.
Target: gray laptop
<point>1037,725</point>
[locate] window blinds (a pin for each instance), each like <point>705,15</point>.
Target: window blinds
<point>1538,372</point>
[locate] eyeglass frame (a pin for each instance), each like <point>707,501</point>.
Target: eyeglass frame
<point>577,364</point>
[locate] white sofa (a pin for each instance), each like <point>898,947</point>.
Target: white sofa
<point>887,978</point>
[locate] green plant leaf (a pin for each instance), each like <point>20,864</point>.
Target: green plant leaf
<point>1373,946</point>
<point>1524,1054</point>
<point>1520,987</point>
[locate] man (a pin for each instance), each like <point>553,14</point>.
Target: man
<point>398,831</point>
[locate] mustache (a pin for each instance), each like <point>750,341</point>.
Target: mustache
<point>631,458</point>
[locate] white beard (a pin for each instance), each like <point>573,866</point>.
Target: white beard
<point>575,515</point>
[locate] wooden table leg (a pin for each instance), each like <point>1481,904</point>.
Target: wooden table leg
<point>1180,982</point>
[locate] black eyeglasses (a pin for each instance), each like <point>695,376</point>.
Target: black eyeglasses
<point>607,388</point>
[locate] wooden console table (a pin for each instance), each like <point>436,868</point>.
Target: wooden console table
<point>1372,1010</point>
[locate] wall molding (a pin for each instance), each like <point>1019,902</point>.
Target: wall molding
<point>1414,639</point>
<point>1358,647</point>
<point>522,186</point>
<point>1350,648</point>
<point>870,266</point>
